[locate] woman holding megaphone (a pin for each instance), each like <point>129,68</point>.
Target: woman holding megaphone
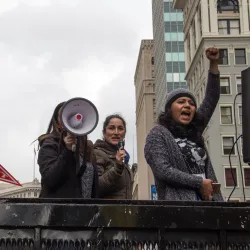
<point>57,163</point>
<point>115,176</point>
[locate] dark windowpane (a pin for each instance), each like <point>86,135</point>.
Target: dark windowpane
<point>173,27</point>
<point>176,67</point>
<point>247,177</point>
<point>182,66</point>
<point>183,85</point>
<point>174,47</point>
<point>223,57</point>
<point>240,56</point>
<point>169,66</point>
<point>181,46</point>
<point>166,6</point>
<point>170,86</point>
<point>167,26</point>
<point>180,27</point>
<point>230,176</point>
<point>227,5</point>
<point>168,46</point>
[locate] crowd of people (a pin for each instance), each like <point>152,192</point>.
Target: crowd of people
<point>174,150</point>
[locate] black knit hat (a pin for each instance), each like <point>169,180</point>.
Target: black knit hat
<point>177,93</point>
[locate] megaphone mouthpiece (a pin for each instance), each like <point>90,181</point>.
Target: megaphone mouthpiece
<point>78,117</point>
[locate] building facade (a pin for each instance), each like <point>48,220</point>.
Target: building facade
<point>226,25</point>
<point>169,50</point>
<point>144,81</point>
<point>28,190</point>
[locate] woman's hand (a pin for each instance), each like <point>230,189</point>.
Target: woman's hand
<point>213,55</point>
<point>206,190</point>
<point>120,155</point>
<point>69,141</point>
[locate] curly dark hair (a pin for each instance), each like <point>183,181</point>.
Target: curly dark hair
<point>191,131</point>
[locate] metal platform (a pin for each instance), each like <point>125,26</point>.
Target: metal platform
<point>102,224</point>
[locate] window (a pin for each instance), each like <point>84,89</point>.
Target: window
<point>225,86</point>
<point>152,60</point>
<point>238,84</point>
<point>231,177</point>
<point>35,194</point>
<point>247,176</point>
<point>223,57</point>
<point>227,5</point>
<point>227,144</point>
<point>226,115</point>
<point>29,194</point>
<point>240,56</point>
<point>194,33</point>
<point>240,114</point>
<point>229,26</point>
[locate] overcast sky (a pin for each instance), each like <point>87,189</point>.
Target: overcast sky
<point>54,50</point>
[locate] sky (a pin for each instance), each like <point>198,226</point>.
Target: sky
<point>55,50</point>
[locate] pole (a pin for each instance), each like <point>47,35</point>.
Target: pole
<point>34,164</point>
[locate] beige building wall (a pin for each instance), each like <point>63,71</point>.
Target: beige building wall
<point>145,116</point>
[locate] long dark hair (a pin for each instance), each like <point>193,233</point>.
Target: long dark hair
<point>191,131</point>
<point>54,131</point>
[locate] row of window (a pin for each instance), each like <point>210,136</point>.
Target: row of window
<point>231,177</point>
<point>168,7</point>
<point>175,85</point>
<point>239,57</point>
<point>29,195</point>
<point>174,26</point>
<point>175,67</point>
<point>174,46</point>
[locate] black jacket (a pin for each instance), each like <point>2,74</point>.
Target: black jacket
<point>58,172</point>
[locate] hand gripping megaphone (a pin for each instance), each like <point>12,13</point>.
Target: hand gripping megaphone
<point>79,117</point>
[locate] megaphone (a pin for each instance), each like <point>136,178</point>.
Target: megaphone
<point>79,116</point>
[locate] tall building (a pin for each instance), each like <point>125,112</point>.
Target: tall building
<point>169,50</point>
<point>28,190</point>
<point>145,117</point>
<point>224,24</point>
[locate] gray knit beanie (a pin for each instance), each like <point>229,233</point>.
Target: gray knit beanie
<point>176,93</point>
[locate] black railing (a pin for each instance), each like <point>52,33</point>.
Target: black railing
<point>99,224</point>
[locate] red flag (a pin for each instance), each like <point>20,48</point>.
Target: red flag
<point>7,177</point>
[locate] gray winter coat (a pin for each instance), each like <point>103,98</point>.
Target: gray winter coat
<point>172,178</point>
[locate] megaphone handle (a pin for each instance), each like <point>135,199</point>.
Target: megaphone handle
<point>74,148</point>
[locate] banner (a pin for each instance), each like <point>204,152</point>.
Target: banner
<point>5,176</point>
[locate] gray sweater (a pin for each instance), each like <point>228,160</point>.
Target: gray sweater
<point>172,178</point>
